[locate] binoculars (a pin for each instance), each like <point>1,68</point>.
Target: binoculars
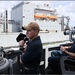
<point>71,34</point>
<point>67,32</point>
<point>21,36</point>
<point>72,31</point>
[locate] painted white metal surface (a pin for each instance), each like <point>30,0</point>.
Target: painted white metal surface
<point>23,13</point>
<point>9,39</point>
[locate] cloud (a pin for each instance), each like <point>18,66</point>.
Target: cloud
<point>2,6</point>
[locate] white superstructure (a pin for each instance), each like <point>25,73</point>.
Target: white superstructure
<point>47,18</point>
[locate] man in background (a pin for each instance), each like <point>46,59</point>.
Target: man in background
<point>54,60</point>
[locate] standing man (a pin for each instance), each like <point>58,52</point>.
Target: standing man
<point>32,55</point>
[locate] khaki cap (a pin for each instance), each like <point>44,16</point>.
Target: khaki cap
<point>31,26</point>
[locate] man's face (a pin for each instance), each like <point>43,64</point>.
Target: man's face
<point>31,33</point>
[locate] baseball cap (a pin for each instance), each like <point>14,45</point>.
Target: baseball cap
<point>31,26</point>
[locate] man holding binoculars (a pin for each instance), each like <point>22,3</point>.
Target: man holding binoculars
<point>31,56</point>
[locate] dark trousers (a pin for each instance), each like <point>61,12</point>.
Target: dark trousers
<point>56,53</point>
<point>54,63</point>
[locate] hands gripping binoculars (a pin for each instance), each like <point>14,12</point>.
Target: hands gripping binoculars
<point>20,37</point>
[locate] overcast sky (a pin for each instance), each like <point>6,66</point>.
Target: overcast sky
<point>65,8</point>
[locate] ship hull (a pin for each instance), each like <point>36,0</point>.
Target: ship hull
<point>9,39</point>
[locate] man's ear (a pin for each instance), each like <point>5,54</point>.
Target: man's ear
<point>36,32</point>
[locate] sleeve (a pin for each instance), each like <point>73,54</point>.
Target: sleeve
<point>72,49</point>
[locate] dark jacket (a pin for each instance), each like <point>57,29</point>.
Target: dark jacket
<point>31,57</point>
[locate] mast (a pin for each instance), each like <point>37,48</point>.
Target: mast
<point>6,21</point>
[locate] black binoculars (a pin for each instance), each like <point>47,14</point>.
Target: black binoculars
<point>21,36</point>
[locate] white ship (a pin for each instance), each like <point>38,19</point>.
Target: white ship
<point>51,25</point>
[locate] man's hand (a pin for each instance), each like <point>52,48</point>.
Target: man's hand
<point>63,48</point>
<point>21,43</point>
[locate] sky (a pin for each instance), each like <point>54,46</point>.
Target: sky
<point>65,8</point>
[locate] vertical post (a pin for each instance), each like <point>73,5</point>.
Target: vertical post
<point>46,60</point>
<point>6,21</point>
<point>62,23</point>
